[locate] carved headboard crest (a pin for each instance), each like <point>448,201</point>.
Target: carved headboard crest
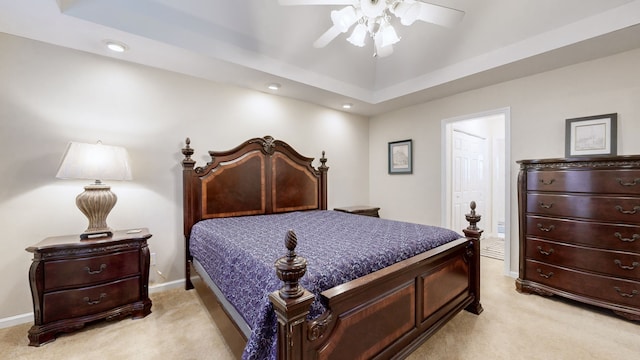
<point>268,143</point>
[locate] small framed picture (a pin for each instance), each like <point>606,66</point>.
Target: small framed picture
<point>592,136</point>
<point>400,157</point>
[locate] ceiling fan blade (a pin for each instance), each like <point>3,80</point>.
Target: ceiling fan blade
<point>315,2</point>
<point>327,37</point>
<point>439,15</point>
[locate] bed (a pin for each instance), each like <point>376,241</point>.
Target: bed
<point>264,198</point>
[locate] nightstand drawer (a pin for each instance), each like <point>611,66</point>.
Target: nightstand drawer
<point>67,304</point>
<point>87,271</point>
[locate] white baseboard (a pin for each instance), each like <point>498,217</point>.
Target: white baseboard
<point>16,320</point>
<point>156,288</point>
<point>28,317</point>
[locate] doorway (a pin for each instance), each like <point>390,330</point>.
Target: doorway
<point>475,160</point>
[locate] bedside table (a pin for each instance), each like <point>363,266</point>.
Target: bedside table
<point>360,210</point>
<point>75,281</point>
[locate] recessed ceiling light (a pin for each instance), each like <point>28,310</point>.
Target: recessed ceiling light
<point>274,86</point>
<point>116,46</point>
<point>347,106</point>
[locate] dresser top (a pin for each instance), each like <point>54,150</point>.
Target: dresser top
<point>75,241</point>
<point>585,160</point>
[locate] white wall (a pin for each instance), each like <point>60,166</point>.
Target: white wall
<point>51,95</point>
<point>539,106</point>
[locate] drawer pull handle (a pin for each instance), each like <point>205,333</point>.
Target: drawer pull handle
<point>548,206</point>
<point>546,229</point>
<point>628,212</point>
<point>94,302</point>
<point>546,276</point>
<point>633,293</point>
<point>93,272</point>
<point>630,267</point>
<point>545,252</point>
<point>633,183</point>
<point>543,182</point>
<point>632,239</point>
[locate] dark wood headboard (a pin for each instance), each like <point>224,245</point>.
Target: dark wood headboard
<point>260,176</point>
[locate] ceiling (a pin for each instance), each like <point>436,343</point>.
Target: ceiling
<point>252,43</point>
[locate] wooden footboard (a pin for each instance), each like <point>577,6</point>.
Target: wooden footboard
<point>386,314</point>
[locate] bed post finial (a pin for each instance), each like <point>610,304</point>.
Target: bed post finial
<point>472,217</point>
<point>187,151</point>
<point>291,268</point>
<point>323,162</point>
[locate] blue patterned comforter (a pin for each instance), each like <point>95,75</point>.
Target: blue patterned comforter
<point>339,247</point>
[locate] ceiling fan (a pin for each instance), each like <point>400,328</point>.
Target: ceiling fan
<point>373,18</point>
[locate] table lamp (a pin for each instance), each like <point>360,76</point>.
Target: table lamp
<point>95,162</point>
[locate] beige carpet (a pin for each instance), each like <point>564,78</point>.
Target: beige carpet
<point>492,247</point>
<point>513,326</point>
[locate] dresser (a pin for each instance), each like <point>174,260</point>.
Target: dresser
<point>580,230</point>
<point>75,281</point>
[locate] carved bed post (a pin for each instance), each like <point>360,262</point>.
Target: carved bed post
<point>473,232</point>
<point>323,179</point>
<point>187,172</point>
<point>291,303</point>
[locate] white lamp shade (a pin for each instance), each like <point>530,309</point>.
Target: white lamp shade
<point>95,162</point>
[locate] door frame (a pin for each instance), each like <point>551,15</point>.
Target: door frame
<point>445,180</point>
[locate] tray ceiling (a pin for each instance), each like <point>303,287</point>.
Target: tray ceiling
<point>252,43</point>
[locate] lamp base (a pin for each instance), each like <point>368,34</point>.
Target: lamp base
<point>96,202</point>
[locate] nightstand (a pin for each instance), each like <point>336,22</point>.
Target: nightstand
<point>75,281</point>
<point>360,210</point>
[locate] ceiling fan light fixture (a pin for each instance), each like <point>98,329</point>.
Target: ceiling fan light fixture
<point>407,11</point>
<point>374,18</point>
<point>381,49</point>
<point>373,8</point>
<point>344,18</point>
<point>358,35</point>
<point>388,35</point>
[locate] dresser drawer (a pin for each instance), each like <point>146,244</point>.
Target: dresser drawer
<point>616,263</point>
<point>596,234</point>
<point>67,304</point>
<point>605,208</point>
<point>603,288</point>
<point>594,181</point>
<point>87,271</point>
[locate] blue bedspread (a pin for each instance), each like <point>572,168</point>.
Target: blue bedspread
<point>239,253</point>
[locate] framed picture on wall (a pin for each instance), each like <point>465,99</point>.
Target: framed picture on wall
<point>401,157</point>
<point>592,135</point>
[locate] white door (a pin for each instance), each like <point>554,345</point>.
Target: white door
<point>468,173</point>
